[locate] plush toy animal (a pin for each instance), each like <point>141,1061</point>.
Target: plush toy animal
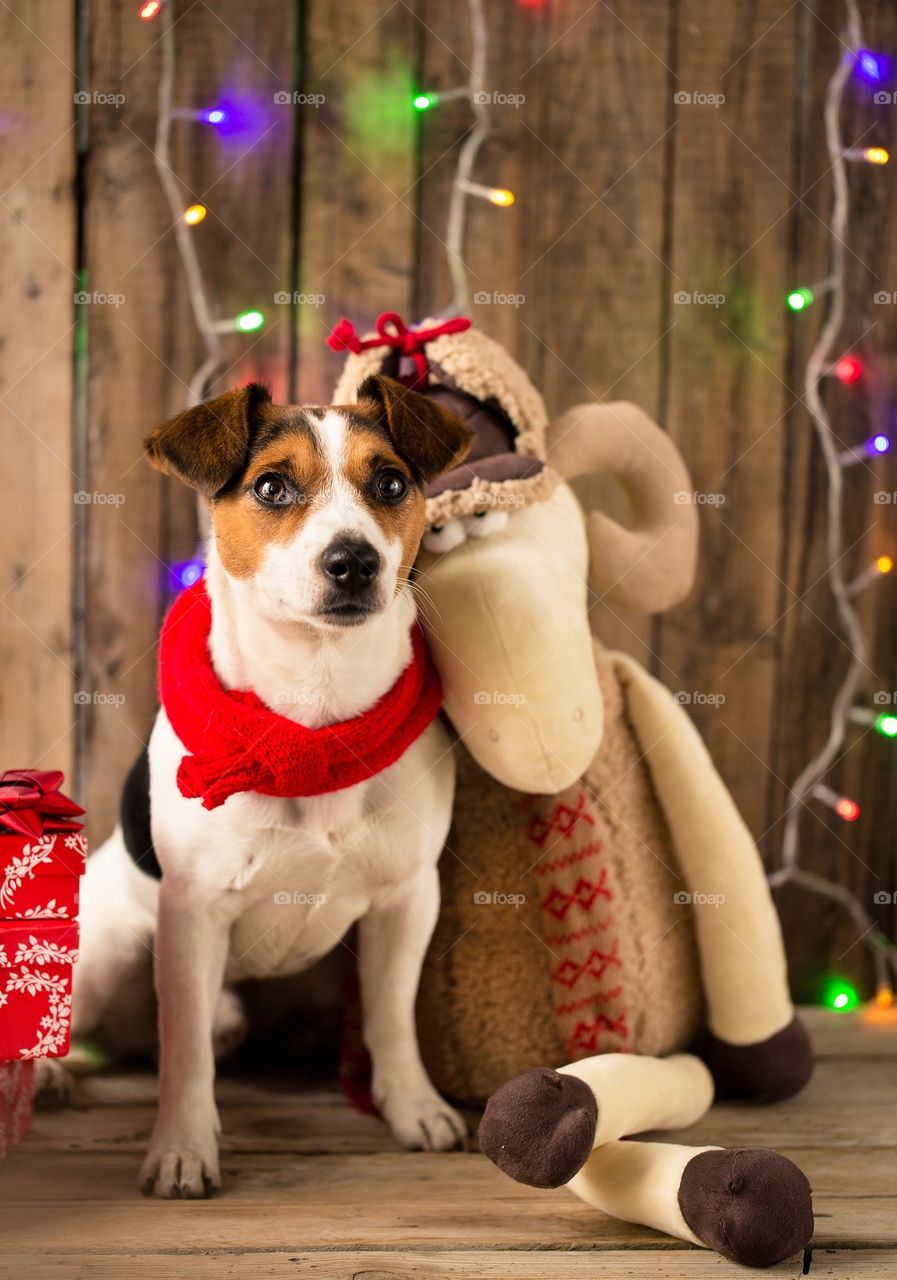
<point>603,903</point>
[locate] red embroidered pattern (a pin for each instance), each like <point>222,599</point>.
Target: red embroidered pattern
<point>568,859</point>
<point>567,939</point>
<point>575,1005</point>
<point>586,1039</point>
<point>596,966</point>
<point>583,896</point>
<point>564,820</point>
<point>596,1021</point>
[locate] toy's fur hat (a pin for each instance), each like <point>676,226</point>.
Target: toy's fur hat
<point>476,378</point>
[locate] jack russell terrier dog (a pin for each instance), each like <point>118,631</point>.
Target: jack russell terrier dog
<point>296,754</point>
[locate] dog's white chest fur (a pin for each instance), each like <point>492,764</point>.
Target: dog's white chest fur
<point>320,876</point>
<point>292,876</point>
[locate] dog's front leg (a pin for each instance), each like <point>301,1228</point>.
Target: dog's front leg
<point>191,949</point>
<point>393,939</point>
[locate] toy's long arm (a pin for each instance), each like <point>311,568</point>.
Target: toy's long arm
<point>740,941</point>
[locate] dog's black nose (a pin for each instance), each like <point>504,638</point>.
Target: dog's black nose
<point>350,563</point>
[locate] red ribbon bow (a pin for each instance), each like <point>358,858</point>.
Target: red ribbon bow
<point>31,803</point>
<point>392,331</point>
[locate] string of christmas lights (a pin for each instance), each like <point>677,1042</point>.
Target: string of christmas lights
<point>463,185</point>
<point>856,60</point>
<point>809,785</point>
<point>210,329</point>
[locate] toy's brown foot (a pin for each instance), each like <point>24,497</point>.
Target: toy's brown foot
<point>753,1206</point>
<point>766,1071</point>
<point>539,1127</point>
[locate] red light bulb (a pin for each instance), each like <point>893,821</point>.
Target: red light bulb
<point>847,809</point>
<point>849,369</point>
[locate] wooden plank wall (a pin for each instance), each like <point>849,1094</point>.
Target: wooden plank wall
<point>334,202</point>
<point>37,342</point>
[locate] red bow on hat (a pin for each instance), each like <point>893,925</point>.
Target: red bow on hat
<point>393,332</point>
<point>31,802</point>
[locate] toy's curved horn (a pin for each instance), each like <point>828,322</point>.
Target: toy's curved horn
<point>651,565</point>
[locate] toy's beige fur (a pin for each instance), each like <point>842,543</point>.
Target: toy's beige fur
<point>516,623</point>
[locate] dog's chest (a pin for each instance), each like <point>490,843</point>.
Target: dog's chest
<point>308,879</point>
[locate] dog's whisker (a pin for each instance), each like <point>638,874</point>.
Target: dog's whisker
<point>428,606</point>
<point>420,594</point>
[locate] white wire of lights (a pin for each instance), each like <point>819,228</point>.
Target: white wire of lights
<point>210,330</point>
<point>463,185</point>
<point>808,783</point>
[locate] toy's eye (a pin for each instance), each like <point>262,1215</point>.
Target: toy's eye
<point>440,538</point>
<point>391,486</point>
<point>272,489</point>
<point>482,524</point>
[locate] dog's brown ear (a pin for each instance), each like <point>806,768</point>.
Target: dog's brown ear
<point>427,436</point>
<point>206,445</point>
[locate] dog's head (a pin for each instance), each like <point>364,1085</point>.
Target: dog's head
<point>319,510</point>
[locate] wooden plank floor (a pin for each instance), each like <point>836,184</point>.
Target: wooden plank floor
<point>312,1189</point>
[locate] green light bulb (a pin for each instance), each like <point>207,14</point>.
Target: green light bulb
<point>800,299</point>
<point>837,993</point>
<point>886,724</point>
<point>249,321</point>
<point>423,101</point>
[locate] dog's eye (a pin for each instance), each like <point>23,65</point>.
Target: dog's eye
<point>272,490</point>
<point>391,486</point>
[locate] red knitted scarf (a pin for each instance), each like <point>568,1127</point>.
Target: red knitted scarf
<point>237,743</point>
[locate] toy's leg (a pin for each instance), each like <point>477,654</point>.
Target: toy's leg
<point>541,1126</point>
<point>756,1047</point>
<point>753,1206</point>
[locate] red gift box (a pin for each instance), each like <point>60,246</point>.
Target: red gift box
<point>42,847</point>
<point>42,856</point>
<point>16,1092</point>
<point>39,877</point>
<point>36,962</point>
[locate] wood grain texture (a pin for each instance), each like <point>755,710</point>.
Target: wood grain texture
<point>143,351</point>
<point>444,1264</point>
<point>313,1189</point>
<point>596,166</point>
<point>245,174</point>
<point>356,237</point>
<point>284,1120</point>
<point>142,348</point>
<point>37,338</point>
<point>728,246</point>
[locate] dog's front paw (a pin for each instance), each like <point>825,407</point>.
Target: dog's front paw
<point>54,1085</point>
<point>423,1121</point>
<point>183,1168</point>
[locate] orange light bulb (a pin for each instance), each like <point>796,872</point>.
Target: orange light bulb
<point>502,197</point>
